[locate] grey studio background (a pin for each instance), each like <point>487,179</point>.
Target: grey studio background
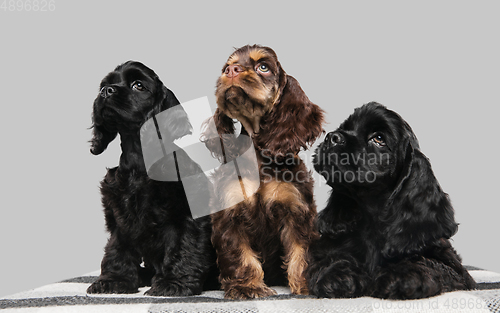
<point>435,62</point>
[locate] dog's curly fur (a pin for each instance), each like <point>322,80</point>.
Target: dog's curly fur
<point>385,230</point>
<point>265,238</point>
<point>149,221</point>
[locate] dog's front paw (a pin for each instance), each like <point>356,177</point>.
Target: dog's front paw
<point>338,283</point>
<point>299,287</point>
<point>172,289</point>
<point>112,286</point>
<point>400,283</point>
<point>249,292</point>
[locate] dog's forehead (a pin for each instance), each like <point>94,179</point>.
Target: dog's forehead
<point>250,56</point>
<point>127,75</point>
<point>111,78</point>
<point>367,120</point>
<point>133,73</point>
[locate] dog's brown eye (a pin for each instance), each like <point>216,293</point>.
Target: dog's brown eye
<point>378,140</point>
<point>138,86</point>
<point>263,68</point>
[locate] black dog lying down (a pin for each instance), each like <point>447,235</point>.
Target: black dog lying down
<point>385,229</point>
<point>148,220</point>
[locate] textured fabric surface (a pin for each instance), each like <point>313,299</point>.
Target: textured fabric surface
<point>70,296</point>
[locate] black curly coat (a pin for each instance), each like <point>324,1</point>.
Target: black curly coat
<point>149,221</point>
<point>385,230</point>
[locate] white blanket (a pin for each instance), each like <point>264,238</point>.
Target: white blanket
<point>70,296</point>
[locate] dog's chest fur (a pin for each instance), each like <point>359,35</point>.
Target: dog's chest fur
<point>140,207</point>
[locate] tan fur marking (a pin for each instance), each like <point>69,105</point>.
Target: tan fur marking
<point>249,277</point>
<point>282,192</point>
<point>249,259</point>
<point>234,58</point>
<point>233,193</point>
<point>296,265</point>
<point>257,54</point>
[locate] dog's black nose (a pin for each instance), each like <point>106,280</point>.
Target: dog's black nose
<point>335,138</point>
<point>107,91</point>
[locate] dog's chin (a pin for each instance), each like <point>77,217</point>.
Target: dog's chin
<point>239,104</point>
<point>256,93</point>
<point>118,119</point>
<point>236,96</point>
<point>107,115</point>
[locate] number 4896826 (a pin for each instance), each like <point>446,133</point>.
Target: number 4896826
<point>28,5</point>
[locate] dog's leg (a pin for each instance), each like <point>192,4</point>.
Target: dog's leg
<point>414,278</point>
<point>246,279</point>
<point>241,273</point>
<point>335,269</point>
<point>436,270</point>
<point>297,234</point>
<point>118,269</point>
<point>186,261</point>
<point>295,261</point>
<point>444,252</point>
<point>297,229</point>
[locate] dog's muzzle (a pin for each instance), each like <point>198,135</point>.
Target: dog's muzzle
<point>107,91</point>
<point>335,138</point>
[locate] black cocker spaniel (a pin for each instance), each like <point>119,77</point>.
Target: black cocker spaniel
<point>153,237</point>
<point>385,230</point>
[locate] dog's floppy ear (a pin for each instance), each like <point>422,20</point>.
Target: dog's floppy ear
<point>293,123</point>
<point>164,99</point>
<point>283,80</point>
<point>174,123</point>
<point>223,123</point>
<point>101,137</point>
<point>340,216</point>
<point>418,211</point>
<point>218,132</point>
<point>169,99</point>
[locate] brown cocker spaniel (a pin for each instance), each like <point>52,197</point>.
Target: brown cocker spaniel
<point>264,239</point>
